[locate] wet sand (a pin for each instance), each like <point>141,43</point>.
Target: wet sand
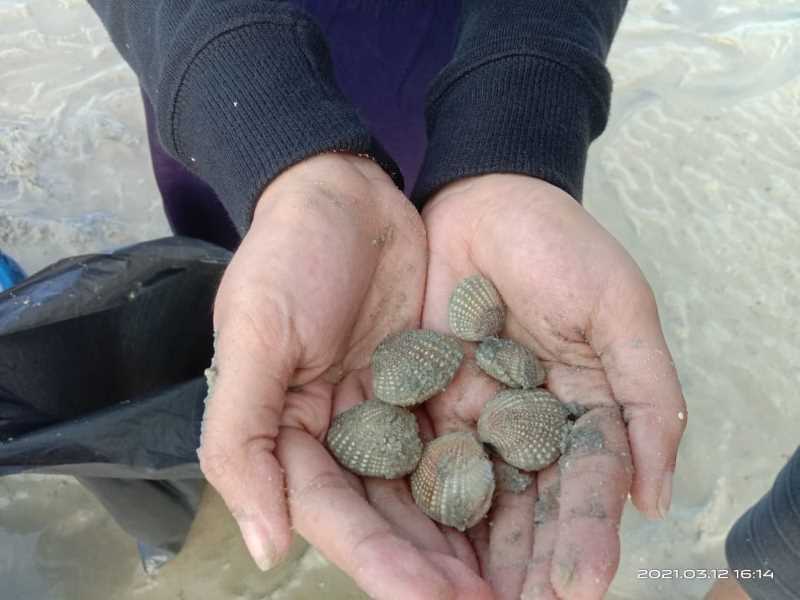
<point>697,174</point>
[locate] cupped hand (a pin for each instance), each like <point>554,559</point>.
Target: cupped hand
<point>335,260</point>
<point>579,301</point>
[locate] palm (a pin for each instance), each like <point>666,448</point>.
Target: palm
<point>577,299</point>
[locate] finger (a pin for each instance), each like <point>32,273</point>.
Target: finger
<point>537,584</point>
<point>472,588</point>
<point>479,537</point>
<point>240,426</point>
<point>332,516</point>
<point>644,381</point>
<point>595,479</point>
<point>461,548</point>
<point>393,501</point>
<point>510,541</point>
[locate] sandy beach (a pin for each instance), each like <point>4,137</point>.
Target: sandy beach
<point>697,175</point>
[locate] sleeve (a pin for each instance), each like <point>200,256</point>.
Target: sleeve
<point>241,90</point>
<point>763,546</point>
<point>526,92</point>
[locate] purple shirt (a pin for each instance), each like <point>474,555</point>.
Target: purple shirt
<point>385,57</point>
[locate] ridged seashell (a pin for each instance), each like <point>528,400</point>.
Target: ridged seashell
<point>454,482</point>
<point>476,309</point>
<point>510,479</point>
<point>525,427</point>
<point>510,362</point>
<point>411,366</point>
<point>376,439</point>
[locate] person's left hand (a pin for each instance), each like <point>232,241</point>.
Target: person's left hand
<point>577,299</point>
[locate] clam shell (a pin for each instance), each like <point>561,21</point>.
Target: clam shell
<point>476,309</point>
<point>510,362</point>
<point>525,427</point>
<point>454,481</point>
<point>376,439</point>
<point>411,366</point>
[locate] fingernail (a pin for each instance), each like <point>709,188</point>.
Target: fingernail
<point>258,545</point>
<point>666,495</point>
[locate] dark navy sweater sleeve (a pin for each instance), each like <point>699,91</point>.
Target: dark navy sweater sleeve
<point>241,90</point>
<point>526,92</point>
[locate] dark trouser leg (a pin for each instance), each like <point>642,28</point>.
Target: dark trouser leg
<point>767,539</point>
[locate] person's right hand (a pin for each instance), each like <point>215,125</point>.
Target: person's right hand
<point>335,260</point>
<point>577,299</point>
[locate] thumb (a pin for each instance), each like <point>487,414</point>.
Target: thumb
<point>250,375</point>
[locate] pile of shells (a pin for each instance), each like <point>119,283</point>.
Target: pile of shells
<point>453,479</point>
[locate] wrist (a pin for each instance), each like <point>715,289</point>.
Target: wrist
<point>335,176</point>
<point>495,189</point>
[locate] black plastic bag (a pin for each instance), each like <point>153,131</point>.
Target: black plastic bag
<point>101,377</point>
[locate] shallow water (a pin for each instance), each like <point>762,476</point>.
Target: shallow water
<point>697,174</point>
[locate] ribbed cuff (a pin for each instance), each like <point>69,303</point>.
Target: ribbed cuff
<point>515,105</point>
<point>256,98</point>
